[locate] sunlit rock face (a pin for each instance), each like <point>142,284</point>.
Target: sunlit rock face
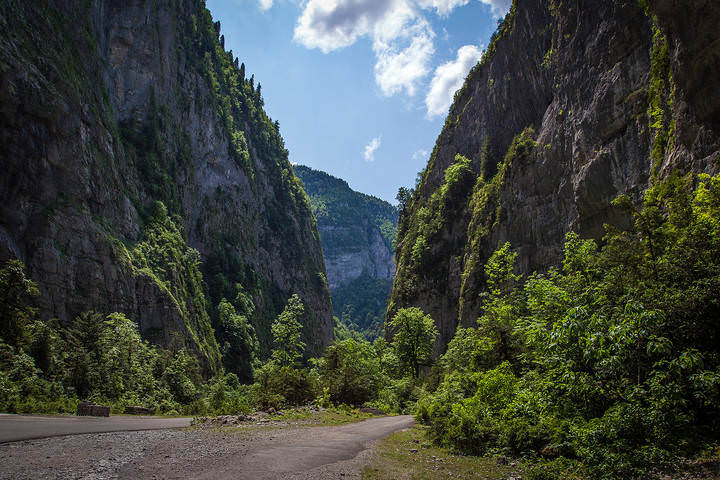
<point>110,105</point>
<point>580,85</point>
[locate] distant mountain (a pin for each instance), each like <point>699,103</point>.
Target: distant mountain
<point>358,234</point>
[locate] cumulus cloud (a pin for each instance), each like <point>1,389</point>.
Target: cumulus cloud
<point>443,7</point>
<point>370,149</point>
<point>333,24</point>
<point>265,4</point>
<point>448,78</point>
<point>405,60</point>
<point>499,7</point>
<point>402,38</point>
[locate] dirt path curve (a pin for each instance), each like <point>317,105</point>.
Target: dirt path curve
<point>29,427</point>
<point>253,452</point>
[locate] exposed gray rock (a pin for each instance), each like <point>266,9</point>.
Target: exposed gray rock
<point>75,77</point>
<point>581,76</point>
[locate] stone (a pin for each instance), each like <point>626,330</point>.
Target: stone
<point>89,409</point>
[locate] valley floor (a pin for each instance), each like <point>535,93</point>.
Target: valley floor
<point>258,451</point>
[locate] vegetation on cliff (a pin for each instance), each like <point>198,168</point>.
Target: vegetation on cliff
<point>188,136</point>
<point>611,362</point>
<point>48,368</point>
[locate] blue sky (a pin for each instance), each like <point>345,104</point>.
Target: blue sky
<point>360,87</point>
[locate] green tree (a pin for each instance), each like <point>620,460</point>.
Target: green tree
<point>350,369</point>
<point>500,305</point>
<point>83,357</point>
<point>16,296</point>
<point>414,335</point>
<point>287,330</point>
<point>239,343</point>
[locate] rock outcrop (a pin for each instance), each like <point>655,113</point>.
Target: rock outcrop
<point>109,107</point>
<point>357,230</point>
<point>572,105</point>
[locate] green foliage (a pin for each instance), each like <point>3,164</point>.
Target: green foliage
<point>613,360</point>
<point>279,386</point>
<point>48,368</point>
<point>237,336</point>
<point>288,346</point>
<point>661,96</point>
<point>497,323</point>
<point>335,204</point>
<point>350,370</point>
<point>16,296</point>
<point>165,258</point>
<point>347,221</point>
<point>361,304</point>
<point>414,335</point>
<point>282,380</point>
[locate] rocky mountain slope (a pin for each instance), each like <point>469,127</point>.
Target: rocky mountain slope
<point>573,104</point>
<point>358,234</point>
<point>111,107</point>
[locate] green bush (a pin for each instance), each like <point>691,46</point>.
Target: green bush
<point>613,360</point>
<point>350,370</point>
<point>281,386</point>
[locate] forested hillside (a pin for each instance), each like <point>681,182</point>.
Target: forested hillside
<point>564,239</point>
<point>358,234</point>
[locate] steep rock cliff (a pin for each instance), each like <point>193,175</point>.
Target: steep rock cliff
<point>358,234</point>
<point>573,104</point>
<point>111,106</point>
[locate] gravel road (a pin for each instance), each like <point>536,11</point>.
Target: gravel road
<point>249,452</point>
<point>29,427</point>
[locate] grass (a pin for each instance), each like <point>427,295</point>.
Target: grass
<point>327,417</point>
<point>408,455</point>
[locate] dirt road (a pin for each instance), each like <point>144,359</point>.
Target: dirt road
<point>28,427</point>
<point>254,452</point>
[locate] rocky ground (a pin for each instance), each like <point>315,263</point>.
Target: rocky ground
<point>268,449</point>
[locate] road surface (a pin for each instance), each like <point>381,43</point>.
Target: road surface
<point>28,427</point>
<point>257,452</point>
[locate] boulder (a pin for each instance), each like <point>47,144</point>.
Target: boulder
<point>89,409</point>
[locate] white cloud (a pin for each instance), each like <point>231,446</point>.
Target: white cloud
<point>499,7</point>
<point>265,4</point>
<point>448,78</point>
<point>443,7</point>
<point>333,24</point>
<point>420,154</point>
<point>402,38</point>
<point>403,61</point>
<point>370,148</point>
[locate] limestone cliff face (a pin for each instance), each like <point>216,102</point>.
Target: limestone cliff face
<point>573,104</point>
<point>374,259</point>
<point>357,230</point>
<point>108,106</point>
